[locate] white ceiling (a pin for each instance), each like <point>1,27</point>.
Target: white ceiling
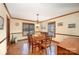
<point>45,10</point>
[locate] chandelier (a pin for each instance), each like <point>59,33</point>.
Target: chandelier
<point>37,25</point>
<point>37,18</point>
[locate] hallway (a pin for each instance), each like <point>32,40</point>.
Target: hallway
<point>21,48</point>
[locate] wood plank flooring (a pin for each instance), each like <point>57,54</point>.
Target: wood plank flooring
<point>22,48</point>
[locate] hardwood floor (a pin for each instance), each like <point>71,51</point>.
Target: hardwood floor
<point>21,48</point>
<point>18,49</point>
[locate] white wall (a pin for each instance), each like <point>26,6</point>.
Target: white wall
<point>69,19</point>
<point>3,45</point>
<point>18,29</point>
<point>13,28</point>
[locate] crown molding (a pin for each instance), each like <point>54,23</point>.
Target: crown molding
<point>39,21</point>
<point>22,19</point>
<point>14,17</point>
<point>7,9</point>
<point>60,16</point>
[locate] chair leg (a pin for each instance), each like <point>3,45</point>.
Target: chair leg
<point>46,51</point>
<point>32,48</point>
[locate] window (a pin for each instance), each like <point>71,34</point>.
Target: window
<point>28,29</point>
<point>51,29</point>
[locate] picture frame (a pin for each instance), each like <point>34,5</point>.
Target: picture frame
<point>1,22</point>
<point>17,24</point>
<point>73,25</point>
<point>60,24</point>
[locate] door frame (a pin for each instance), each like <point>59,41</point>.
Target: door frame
<point>8,30</point>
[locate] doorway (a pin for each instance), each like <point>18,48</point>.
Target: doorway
<point>8,31</point>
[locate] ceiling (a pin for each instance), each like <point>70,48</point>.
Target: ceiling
<point>45,10</point>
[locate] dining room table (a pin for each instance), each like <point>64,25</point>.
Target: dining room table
<point>39,42</point>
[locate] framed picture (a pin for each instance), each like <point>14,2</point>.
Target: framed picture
<point>73,25</point>
<point>60,24</point>
<point>17,24</point>
<point>1,22</point>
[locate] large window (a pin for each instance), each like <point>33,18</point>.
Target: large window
<point>28,29</point>
<point>51,29</point>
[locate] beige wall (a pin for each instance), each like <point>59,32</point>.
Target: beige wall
<point>13,29</point>
<point>69,19</point>
<point>18,29</point>
<point>37,27</point>
<point>3,45</point>
<point>45,25</point>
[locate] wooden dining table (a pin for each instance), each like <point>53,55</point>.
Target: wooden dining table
<point>39,41</point>
<point>38,37</point>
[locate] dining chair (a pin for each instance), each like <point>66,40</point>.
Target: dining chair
<point>46,42</point>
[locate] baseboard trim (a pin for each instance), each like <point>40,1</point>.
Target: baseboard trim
<point>22,39</point>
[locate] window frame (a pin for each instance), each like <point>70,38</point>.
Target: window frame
<point>29,24</point>
<point>54,28</point>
